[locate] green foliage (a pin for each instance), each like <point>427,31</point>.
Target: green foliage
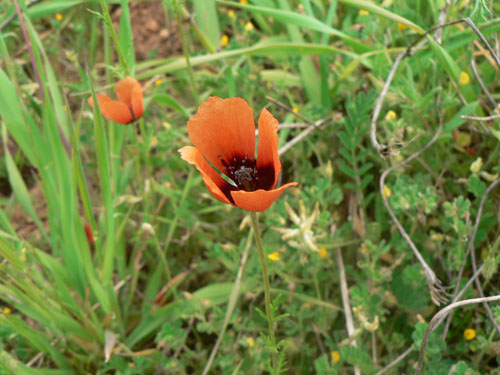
<point>115,258</point>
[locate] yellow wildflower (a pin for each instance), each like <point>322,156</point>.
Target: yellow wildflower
<point>274,256</point>
<point>158,82</point>
<point>363,12</point>
<point>59,17</point>
<point>463,79</point>
<point>243,1</point>
<point>301,7</point>
<point>250,342</point>
<point>295,110</point>
<point>6,310</point>
<point>323,252</point>
<point>402,26</point>
<point>154,141</point>
<point>335,356</point>
<point>387,191</point>
<point>224,40</point>
<point>469,333</point>
<point>390,116</point>
<point>249,26</point>
<point>231,14</point>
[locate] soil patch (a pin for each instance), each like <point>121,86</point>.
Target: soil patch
<point>153,36</point>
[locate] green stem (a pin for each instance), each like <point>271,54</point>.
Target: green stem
<point>267,289</point>
<point>186,52</point>
<point>109,25</point>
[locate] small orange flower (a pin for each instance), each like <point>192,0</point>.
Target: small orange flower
<point>129,106</point>
<point>223,132</point>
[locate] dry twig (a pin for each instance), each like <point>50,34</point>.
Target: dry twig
<point>435,286</point>
<point>438,318</point>
<point>345,301</point>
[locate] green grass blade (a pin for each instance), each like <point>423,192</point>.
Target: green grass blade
<point>105,180</point>
<point>206,17</point>
<point>272,49</point>
<point>297,19</point>
<point>451,67</point>
<point>310,79</point>
<point>126,37</point>
<point>375,9</point>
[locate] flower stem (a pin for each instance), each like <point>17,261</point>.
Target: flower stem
<point>178,14</point>
<point>267,291</point>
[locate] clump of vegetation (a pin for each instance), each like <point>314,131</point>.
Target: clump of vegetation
<point>119,257</point>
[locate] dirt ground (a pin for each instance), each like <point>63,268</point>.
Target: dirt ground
<point>153,36</point>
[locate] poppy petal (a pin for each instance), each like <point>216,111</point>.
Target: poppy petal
<point>219,187</point>
<point>223,129</point>
<point>113,110</point>
<point>125,88</point>
<point>137,102</point>
<point>268,162</point>
<point>259,200</point>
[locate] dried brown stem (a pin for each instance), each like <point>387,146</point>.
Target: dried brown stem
<point>435,286</point>
<point>438,318</point>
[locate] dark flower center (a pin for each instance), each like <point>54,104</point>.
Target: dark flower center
<point>242,171</point>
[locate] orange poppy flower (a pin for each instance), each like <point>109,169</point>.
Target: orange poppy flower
<point>129,106</point>
<point>223,133</point>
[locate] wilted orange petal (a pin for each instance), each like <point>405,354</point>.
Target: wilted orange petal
<point>223,129</point>
<point>213,181</point>
<point>113,110</point>
<point>259,200</point>
<point>268,162</point>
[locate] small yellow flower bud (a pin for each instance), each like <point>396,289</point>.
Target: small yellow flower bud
<point>59,17</point>
<point>387,191</point>
<point>158,82</point>
<point>6,310</point>
<point>250,342</point>
<point>323,252</point>
<point>224,40</point>
<point>402,26</point>
<point>295,110</point>
<point>154,141</point>
<point>363,12</point>
<point>463,79</point>
<point>469,334</point>
<point>231,14</point>
<point>249,26</point>
<point>335,356</point>
<point>274,256</point>
<point>390,116</point>
<point>243,1</point>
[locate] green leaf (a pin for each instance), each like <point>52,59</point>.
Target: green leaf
<point>170,101</point>
<point>476,186</point>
